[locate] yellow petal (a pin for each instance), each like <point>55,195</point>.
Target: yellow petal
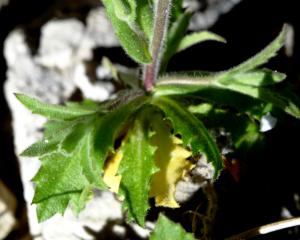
<point>171,158</point>
<point>110,177</point>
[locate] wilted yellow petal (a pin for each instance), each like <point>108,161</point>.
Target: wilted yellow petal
<point>110,177</point>
<point>171,158</point>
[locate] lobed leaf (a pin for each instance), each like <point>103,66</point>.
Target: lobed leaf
<point>198,37</point>
<point>60,174</point>
<point>103,137</point>
<point>165,229</point>
<point>136,168</point>
<point>193,132</point>
<point>56,204</point>
<point>53,112</point>
<point>73,157</point>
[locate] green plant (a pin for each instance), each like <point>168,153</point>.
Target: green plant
<point>150,130</point>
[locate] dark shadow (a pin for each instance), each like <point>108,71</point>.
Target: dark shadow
<point>107,231</point>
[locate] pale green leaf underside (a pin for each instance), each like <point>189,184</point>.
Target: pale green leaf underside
<point>256,78</point>
<point>194,86</point>
<point>165,229</point>
<point>193,132</point>
<point>130,34</point>
<point>136,168</point>
<point>54,112</point>
<point>198,37</point>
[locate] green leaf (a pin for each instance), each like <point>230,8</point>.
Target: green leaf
<point>55,133</point>
<point>189,85</point>
<point>193,132</point>
<point>125,10</point>
<point>136,168</point>
<point>54,112</point>
<point>123,76</point>
<point>73,165</point>
<point>56,204</point>
<point>263,56</point>
<point>244,131</point>
<point>60,173</point>
<point>132,38</point>
<point>40,148</point>
<point>198,37</point>
<point>286,102</point>
<point>109,128</point>
<point>65,178</point>
<point>145,17</point>
<point>87,104</point>
<point>177,9</point>
<point>165,229</point>
<point>256,78</point>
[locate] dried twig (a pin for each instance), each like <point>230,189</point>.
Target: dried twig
<point>272,227</point>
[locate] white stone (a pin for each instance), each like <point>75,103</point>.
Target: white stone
<point>202,20</point>
<point>196,179</point>
<point>52,76</point>
<point>98,91</point>
<point>59,43</point>
<point>3,3</point>
<point>7,211</point>
<point>267,122</point>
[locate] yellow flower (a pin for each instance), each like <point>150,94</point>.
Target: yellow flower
<point>170,158</point>
<point>110,176</point>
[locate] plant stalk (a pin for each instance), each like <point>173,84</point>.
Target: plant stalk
<point>161,21</point>
<point>272,227</point>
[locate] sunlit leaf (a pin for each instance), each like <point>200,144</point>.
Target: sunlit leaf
<point>136,168</point>
<point>256,78</point>
<point>193,132</point>
<point>198,37</point>
<point>189,85</point>
<point>123,15</point>
<point>50,111</point>
<point>165,229</point>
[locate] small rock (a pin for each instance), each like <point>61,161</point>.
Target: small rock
<point>209,12</point>
<point>3,3</point>
<point>267,123</point>
<point>7,211</point>
<point>52,76</point>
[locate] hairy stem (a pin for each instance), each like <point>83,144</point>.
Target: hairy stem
<point>160,28</point>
